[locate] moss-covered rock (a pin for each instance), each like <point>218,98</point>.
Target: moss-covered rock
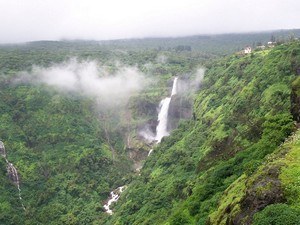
<point>272,184</point>
<point>229,205</point>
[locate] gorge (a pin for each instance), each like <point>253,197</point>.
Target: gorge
<point>224,152</point>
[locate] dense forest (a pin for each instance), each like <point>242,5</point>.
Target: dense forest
<point>232,156</point>
<point>226,165</point>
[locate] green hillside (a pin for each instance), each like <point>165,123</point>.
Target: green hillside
<point>66,164</point>
<point>220,167</point>
<point>233,158</point>
<point>70,151</point>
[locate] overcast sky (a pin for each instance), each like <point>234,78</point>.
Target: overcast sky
<point>29,20</point>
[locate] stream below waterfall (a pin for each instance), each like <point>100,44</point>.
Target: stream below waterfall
<point>114,196</point>
<point>161,131</point>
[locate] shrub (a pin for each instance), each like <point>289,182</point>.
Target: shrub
<point>277,214</point>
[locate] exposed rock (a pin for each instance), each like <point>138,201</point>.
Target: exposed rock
<point>138,152</point>
<point>263,191</point>
<point>12,173</point>
<point>248,195</point>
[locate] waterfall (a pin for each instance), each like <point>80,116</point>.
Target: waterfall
<point>174,88</point>
<point>161,129</point>
<point>12,173</point>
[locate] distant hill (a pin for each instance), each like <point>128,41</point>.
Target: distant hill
<point>220,44</point>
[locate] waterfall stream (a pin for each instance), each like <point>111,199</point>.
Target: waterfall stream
<point>12,173</point>
<point>161,129</point>
<point>114,196</point>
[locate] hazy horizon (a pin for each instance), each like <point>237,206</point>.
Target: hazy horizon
<point>156,37</point>
<point>30,20</point>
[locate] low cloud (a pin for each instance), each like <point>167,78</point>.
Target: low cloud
<point>90,79</point>
<point>199,76</point>
<point>147,133</point>
<point>191,83</point>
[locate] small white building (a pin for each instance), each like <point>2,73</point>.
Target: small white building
<point>247,50</point>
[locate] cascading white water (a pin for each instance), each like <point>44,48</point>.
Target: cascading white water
<point>15,178</point>
<point>161,129</point>
<point>12,172</point>
<point>114,196</point>
<point>174,88</point>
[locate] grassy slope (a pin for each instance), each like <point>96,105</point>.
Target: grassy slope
<point>242,113</point>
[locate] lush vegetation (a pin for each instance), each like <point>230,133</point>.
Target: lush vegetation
<point>66,164</point>
<point>277,214</point>
<point>70,153</point>
<point>199,175</point>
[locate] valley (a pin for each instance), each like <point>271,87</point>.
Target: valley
<point>144,132</point>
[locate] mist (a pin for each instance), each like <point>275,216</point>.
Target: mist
<point>192,83</point>
<point>89,79</point>
<point>147,133</point>
<point>33,20</point>
<point>199,76</point>
<point>186,85</point>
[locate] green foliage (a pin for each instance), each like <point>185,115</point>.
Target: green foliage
<point>277,214</point>
<point>241,115</point>
<point>180,218</point>
<point>229,203</point>
<point>290,173</point>
<point>59,147</point>
<point>70,155</point>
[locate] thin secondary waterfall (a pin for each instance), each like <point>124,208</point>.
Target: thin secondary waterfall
<point>12,172</point>
<point>161,129</point>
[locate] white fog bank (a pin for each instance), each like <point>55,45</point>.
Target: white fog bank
<point>89,79</point>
